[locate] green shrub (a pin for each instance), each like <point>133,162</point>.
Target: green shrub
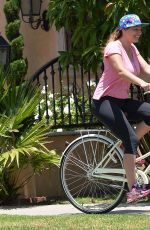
<point>70,109</point>
<point>18,68</point>
<point>12,30</point>
<point>11,10</point>
<point>17,46</point>
<point>18,65</point>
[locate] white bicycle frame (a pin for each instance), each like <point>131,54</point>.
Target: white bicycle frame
<point>101,171</point>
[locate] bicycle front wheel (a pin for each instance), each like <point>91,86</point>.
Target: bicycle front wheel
<point>89,192</point>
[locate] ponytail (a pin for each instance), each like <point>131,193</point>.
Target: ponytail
<point>115,36</point>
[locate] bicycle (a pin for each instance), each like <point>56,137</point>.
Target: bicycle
<point>92,174</point>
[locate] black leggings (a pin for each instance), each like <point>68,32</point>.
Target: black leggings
<point>116,113</point>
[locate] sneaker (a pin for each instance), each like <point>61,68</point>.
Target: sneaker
<point>137,195</point>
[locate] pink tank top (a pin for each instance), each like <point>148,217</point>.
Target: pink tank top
<point>110,83</point>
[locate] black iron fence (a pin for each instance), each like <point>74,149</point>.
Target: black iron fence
<point>67,93</point>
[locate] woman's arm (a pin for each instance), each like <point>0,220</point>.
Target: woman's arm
<point>116,62</point>
<point>145,67</point>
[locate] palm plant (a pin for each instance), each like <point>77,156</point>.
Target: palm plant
<point>22,139</point>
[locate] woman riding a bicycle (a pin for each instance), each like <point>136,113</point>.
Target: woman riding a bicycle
<point>111,104</point>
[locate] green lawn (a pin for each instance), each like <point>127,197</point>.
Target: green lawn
<point>77,222</point>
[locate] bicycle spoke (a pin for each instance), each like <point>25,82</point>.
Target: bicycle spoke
<point>91,193</point>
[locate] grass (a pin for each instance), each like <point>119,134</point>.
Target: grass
<point>77,222</point>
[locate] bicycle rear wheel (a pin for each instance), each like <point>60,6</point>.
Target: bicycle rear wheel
<point>88,192</point>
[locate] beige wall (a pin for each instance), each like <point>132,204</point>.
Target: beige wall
<point>2,19</point>
<point>39,46</point>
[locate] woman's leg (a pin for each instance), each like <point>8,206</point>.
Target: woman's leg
<point>109,112</point>
<point>129,166</point>
<point>137,111</point>
<point>141,129</point>
<point>111,115</point>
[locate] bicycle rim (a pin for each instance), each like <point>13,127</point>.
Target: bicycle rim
<point>86,192</point>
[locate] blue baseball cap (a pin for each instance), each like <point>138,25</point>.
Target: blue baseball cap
<point>130,20</point>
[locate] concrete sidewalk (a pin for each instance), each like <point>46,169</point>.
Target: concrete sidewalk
<point>61,209</point>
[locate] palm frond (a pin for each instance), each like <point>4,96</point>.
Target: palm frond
<point>19,99</point>
<point>33,135</point>
<point>14,156</point>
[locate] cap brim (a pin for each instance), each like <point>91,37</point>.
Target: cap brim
<point>145,24</point>
<point>141,24</point>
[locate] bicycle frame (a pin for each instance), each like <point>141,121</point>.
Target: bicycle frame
<point>118,173</point>
<point>102,172</point>
<point>144,156</point>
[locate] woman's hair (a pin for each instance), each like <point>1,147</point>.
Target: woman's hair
<point>114,36</point>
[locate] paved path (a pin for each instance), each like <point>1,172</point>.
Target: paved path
<point>48,210</point>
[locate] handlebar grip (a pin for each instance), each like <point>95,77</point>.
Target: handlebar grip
<point>146,92</point>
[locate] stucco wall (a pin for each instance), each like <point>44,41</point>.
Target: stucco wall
<point>40,46</point>
<point>2,19</point>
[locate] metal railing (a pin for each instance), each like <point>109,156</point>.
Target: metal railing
<point>67,93</point>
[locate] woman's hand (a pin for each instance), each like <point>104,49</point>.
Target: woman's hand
<point>145,86</point>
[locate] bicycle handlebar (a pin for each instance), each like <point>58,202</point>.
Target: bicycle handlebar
<point>146,92</point>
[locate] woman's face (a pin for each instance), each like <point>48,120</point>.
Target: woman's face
<point>133,34</point>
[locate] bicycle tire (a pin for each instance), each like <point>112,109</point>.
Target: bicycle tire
<point>86,193</point>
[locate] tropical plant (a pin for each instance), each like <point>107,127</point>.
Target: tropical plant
<point>90,22</point>
<point>12,29</point>
<point>22,140</point>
